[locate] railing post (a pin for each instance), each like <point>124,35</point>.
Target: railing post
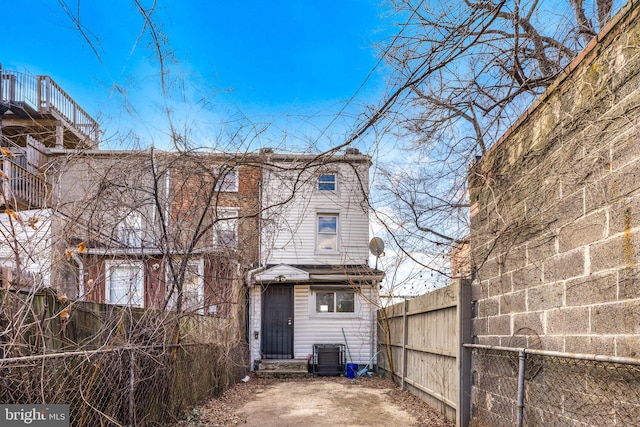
<point>47,92</point>
<point>8,181</point>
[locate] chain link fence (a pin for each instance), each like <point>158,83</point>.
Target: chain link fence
<point>133,386</point>
<point>555,389</point>
<point>114,365</point>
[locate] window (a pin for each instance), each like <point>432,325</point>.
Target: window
<point>130,229</point>
<point>227,180</point>
<point>125,284</point>
<point>335,302</point>
<point>327,182</point>
<point>225,229</point>
<point>193,287</point>
<point>327,236</point>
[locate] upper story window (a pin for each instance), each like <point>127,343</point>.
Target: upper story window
<point>327,232</point>
<point>227,180</point>
<point>327,182</point>
<point>125,283</point>
<point>225,229</point>
<point>130,229</point>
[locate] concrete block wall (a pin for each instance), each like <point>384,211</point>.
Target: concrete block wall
<point>555,243</point>
<point>556,210</point>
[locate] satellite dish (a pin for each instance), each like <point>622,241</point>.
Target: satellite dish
<point>376,247</point>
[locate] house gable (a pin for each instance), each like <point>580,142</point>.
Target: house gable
<point>282,273</point>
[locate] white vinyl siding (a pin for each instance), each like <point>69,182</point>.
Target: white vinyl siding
<point>255,315</point>
<point>291,231</point>
<point>34,243</point>
<point>316,328</point>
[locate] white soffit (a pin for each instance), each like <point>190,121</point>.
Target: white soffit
<point>283,273</point>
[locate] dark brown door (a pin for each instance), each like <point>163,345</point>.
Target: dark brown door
<point>277,322</point>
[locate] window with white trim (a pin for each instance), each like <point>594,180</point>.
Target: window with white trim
<point>225,228</point>
<point>327,182</point>
<point>327,232</point>
<point>335,301</point>
<point>125,283</point>
<point>129,229</point>
<point>227,179</point>
<point>193,287</point>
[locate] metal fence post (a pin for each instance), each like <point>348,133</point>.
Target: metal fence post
<point>463,408</point>
<point>522,357</point>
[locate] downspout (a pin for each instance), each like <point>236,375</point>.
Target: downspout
<point>250,334</point>
<point>167,194</point>
<point>78,261</point>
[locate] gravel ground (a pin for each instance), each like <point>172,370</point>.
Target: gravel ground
<point>223,411</point>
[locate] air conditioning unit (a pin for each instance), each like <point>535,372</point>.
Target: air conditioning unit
<point>328,359</point>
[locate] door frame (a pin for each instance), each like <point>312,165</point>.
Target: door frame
<point>286,348</point>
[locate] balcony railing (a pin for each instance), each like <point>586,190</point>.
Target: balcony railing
<point>45,96</point>
<point>21,187</point>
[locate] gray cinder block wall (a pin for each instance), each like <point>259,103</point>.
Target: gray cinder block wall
<point>555,216</point>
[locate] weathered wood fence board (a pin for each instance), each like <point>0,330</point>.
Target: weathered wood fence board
<point>420,341</point>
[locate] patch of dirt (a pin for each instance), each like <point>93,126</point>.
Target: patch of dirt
<point>317,400</point>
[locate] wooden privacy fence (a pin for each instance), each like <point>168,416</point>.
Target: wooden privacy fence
<point>421,345</point>
<point>113,365</point>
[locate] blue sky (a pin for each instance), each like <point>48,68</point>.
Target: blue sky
<point>292,64</point>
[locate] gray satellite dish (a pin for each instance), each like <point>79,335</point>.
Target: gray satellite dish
<point>376,247</point>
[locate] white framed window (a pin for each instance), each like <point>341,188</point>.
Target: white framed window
<point>327,182</point>
<point>125,283</point>
<point>129,229</point>
<point>227,179</point>
<point>193,287</point>
<point>225,228</point>
<point>327,232</point>
<point>338,301</point>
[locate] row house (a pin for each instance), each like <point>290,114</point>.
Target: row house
<point>141,228</point>
<point>155,229</point>
<point>314,287</point>
<point>193,232</point>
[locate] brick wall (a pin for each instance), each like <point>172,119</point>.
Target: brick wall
<point>192,185</point>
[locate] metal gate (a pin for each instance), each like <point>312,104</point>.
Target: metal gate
<point>277,322</point>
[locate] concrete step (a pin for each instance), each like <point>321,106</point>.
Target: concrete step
<point>282,368</point>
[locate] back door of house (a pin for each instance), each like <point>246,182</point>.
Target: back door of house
<point>277,322</point>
